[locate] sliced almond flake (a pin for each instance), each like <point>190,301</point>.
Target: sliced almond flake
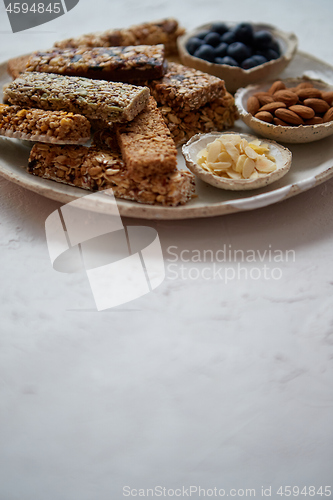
<point>232,151</point>
<point>224,157</point>
<point>242,145</point>
<point>248,168</point>
<point>214,149</point>
<point>255,142</point>
<point>233,175</point>
<point>238,167</point>
<point>233,138</point>
<point>261,150</point>
<point>254,175</point>
<point>251,153</point>
<point>263,164</point>
<point>221,165</point>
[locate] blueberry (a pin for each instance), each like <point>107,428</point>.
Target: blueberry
<point>202,34</point>
<point>193,44</point>
<point>253,61</point>
<point>269,54</point>
<point>275,46</point>
<point>259,59</point>
<point>262,39</point>
<point>238,51</point>
<point>244,33</point>
<point>205,52</point>
<point>219,28</point>
<point>226,60</point>
<point>221,50</point>
<point>228,37</point>
<point>212,39</point>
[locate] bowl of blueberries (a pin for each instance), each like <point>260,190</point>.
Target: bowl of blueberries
<point>240,54</point>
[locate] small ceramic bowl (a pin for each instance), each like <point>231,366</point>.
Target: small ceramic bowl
<point>236,77</point>
<point>198,142</point>
<point>292,134</point>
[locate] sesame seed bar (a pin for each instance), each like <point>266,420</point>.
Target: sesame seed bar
<point>120,64</point>
<point>98,169</point>
<point>98,99</point>
<point>219,114</point>
<point>186,88</point>
<point>165,31</point>
<point>146,144</point>
<point>31,124</point>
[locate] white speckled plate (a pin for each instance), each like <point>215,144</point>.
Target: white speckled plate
<point>312,164</point>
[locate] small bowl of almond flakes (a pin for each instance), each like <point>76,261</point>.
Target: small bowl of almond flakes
<point>236,162</point>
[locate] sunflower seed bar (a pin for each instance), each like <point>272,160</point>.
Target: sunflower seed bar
<point>186,88</point>
<point>31,124</point>
<point>219,114</point>
<point>111,101</point>
<point>99,169</point>
<point>120,64</point>
<point>165,31</point>
<point>146,144</point>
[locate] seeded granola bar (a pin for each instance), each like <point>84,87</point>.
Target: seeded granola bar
<point>17,65</point>
<point>98,169</point>
<point>186,88</point>
<point>120,64</point>
<point>146,144</point>
<point>31,124</point>
<point>96,99</point>
<point>219,114</point>
<point>165,31</point>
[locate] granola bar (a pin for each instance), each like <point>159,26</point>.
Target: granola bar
<point>219,114</point>
<point>17,65</point>
<point>186,88</point>
<point>146,144</point>
<point>98,169</point>
<point>111,101</point>
<point>165,31</point>
<point>31,124</point>
<point>120,64</point>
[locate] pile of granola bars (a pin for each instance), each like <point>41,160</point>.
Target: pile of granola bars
<point>119,86</point>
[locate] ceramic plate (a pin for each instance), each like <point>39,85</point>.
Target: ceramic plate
<point>312,164</point>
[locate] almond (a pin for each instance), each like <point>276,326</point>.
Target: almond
<point>308,93</point>
<point>264,116</point>
<point>272,106</point>
<point>303,111</point>
<point>328,116</point>
<point>277,121</point>
<point>265,99</point>
<point>318,105</point>
<point>328,97</point>
<point>253,105</point>
<point>304,85</point>
<point>288,116</point>
<point>278,85</point>
<point>286,96</point>
<point>316,120</point>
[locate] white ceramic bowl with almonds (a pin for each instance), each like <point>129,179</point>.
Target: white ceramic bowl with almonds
<point>300,112</point>
<point>223,159</point>
<point>236,77</point>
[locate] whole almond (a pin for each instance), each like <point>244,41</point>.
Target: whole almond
<point>328,97</point>
<point>286,96</point>
<point>265,99</point>
<point>277,121</point>
<point>304,85</point>
<point>278,85</point>
<point>328,116</point>
<point>303,111</point>
<point>288,116</point>
<point>260,94</point>
<point>318,105</point>
<point>264,116</point>
<point>253,105</point>
<point>308,93</point>
<point>316,120</point>
<point>272,106</point>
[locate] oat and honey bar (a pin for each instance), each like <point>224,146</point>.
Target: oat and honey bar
<point>165,31</point>
<point>146,144</point>
<point>120,64</point>
<point>219,114</point>
<point>96,99</point>
<point>31,124</point>
<point>98,169</point>
<point>186,88</point>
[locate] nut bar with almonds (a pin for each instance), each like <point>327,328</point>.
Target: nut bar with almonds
<point>165,31</point>
<point>146,144</point>
<point>120,64</point>
<point>31,124</point>
<point>184,88</point>
<point>219,114</point>
<point>102,168</point>
<point>95,99</point>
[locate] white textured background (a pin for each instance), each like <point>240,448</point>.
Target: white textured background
<point>198,383</point>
